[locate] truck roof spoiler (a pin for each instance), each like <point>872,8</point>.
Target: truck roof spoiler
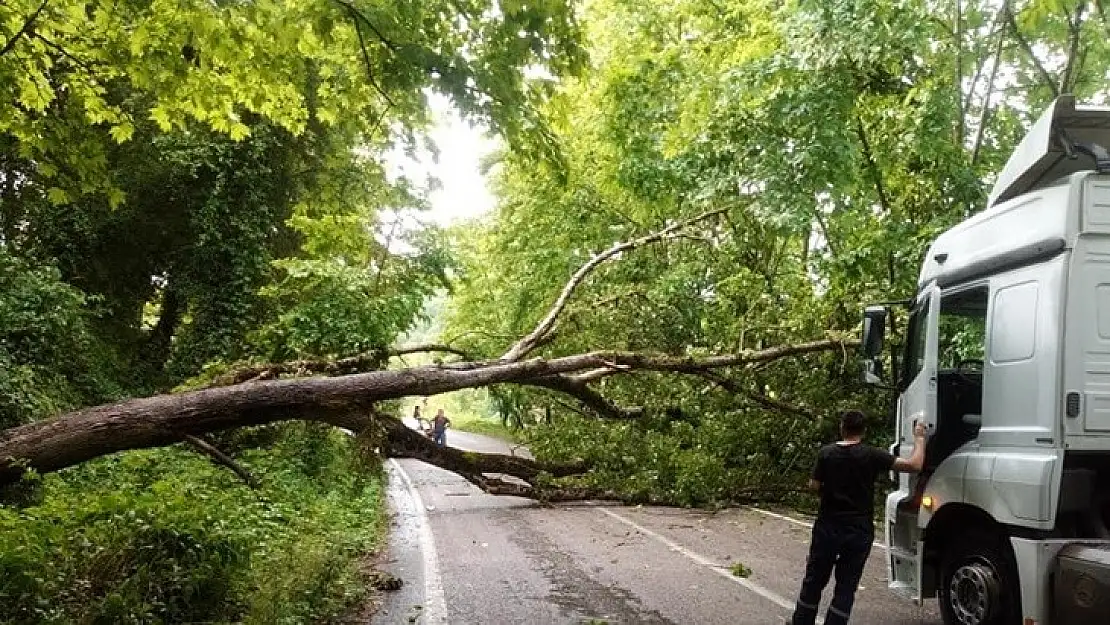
<point>1066,139</point>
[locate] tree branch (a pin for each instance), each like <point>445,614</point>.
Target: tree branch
<point>595,374</point>
<point>404,442</point>
<point>360,363</point>
<point>366,54</point>
<point>590,398</point>
<point>430,347</point>
<point>759,398</point>
<point>360,16</point>
<point>1024,43</point>
<point>221,458</point>
<point>1075,26</point>
<point>28,24</point>
<point>959,37</point>
<point>872,166</point>
<point>525,345</point>
<point>998,31</point>
<point>984,115</point>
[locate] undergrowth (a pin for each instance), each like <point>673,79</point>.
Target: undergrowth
<point>164,536</point>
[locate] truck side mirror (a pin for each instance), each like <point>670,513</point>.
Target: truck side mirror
<point>874,330</point>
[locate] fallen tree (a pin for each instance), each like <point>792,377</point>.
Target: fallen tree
<point>344,401</point>
<point>344,393</point>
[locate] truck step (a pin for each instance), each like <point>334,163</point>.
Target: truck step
<point>905,590</point>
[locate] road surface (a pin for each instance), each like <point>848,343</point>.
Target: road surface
<point>468,557</point>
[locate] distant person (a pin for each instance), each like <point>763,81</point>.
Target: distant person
<point>439,428</point>
<point>843,532</point>
<point>419,418</point>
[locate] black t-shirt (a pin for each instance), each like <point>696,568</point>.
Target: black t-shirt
<point>847,475</point>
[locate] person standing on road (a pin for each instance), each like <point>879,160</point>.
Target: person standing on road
<point>843,532</point>
<point>439,428</point>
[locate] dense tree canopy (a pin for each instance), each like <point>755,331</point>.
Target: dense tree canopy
<point>838,138</point>
<point>210,175</point>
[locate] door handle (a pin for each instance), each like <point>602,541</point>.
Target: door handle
<point>894,452</point>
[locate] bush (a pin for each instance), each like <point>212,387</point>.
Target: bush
<point>48,360</point>
<point>166,536</point>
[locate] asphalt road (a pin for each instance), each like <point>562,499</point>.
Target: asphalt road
<point>468,557</point>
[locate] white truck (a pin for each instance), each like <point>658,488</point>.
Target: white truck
<point>1007,361</point>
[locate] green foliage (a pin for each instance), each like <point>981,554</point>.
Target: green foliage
<point>294,63</point>
<point>209,173</point>
<point>48,359</point>
<point>840,138</point>
<point>351,293</point>
<point>739,570</point>
<point>185,185</point>
<point>166,536</point>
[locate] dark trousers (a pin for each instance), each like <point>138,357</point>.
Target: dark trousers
<point>441,437</point>
<point>838,546</point>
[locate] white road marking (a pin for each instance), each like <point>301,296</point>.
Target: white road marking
<point>798,522</point>
<point>435,604</point>
<point>767,594</point>
<point>781,517</point>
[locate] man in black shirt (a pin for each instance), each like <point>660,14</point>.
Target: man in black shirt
<point>845,478</point>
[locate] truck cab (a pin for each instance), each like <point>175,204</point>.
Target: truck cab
<point>1007,362</point>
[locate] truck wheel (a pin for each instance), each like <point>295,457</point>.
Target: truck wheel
<point>978,582</point>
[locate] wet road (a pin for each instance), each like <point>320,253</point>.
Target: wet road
<point>468,557</point>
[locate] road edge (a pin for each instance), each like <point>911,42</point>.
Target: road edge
<point>435,603</point>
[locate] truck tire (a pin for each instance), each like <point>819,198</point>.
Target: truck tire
<point>978,581</point>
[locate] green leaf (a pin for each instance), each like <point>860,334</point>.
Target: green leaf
<point>57,196</point>
<point>122,131</point>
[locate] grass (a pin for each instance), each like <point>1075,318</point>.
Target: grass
<point>489,427</point>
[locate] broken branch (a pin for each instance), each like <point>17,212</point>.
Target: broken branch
<point>525,345</point>
<point>219,457</point>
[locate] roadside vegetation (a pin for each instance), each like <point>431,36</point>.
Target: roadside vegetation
<point>187,188</point>
<point>837,138</point>
<point>167,536</point>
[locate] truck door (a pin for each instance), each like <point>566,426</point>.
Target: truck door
<point>919,400</point>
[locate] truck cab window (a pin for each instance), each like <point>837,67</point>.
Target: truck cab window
<point>961,338</point>
<point>962,331</point>
<point>914,357</point>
